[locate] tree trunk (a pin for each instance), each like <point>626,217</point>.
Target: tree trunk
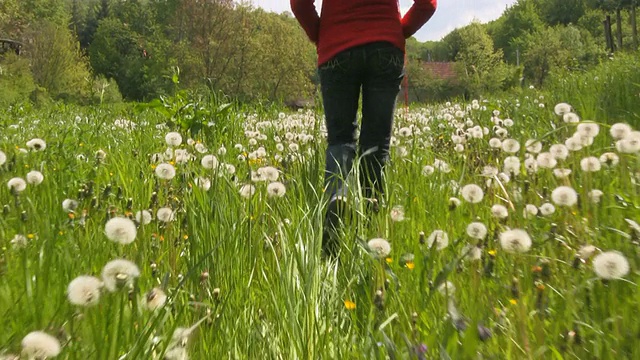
<point>619,28</point>
<point>634,28</point>
<point>607,33</point>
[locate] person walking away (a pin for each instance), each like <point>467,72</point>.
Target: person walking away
<point>360,46</point>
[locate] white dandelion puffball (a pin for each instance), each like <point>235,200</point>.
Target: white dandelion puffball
<point>588,129</point>
<point>472,252</point>
<point>531,165</point>
<point>165,171</point>
<point>609,159</point>
<point>595,195</point>
<point>439,238</point>
<point>209,162</point>
<point>477,230</point>
<point>573,144</point>
<point>547,209</point>
<point>559,151</point>
<point>561,173</point>
<point>34,177</point>
<point>247,191</point>
<point>610,265</point>
<point>165,214</point>
<point>100,155</point>
<point>155,299</point>
<point>511,165</point>
<point>499,211</point>
<point>17,184</point>
<point>36,144</point>
<point>69,205</point>
<point>472,193</point>
<point>587,251</point>
<point>428,170</point>
<point>120,230</point>
<point>571,118</point>
<point>19,241</point>
<point>620,131</point>
<point>173,139</point>
<point>203,183</point>
<point>454,202</point>
<point>510,146</point>
<point>515,241</point>
<point>590,164</point>
<point>447,288</point>
<point>276,189</point>
<point>380,248</point>
<point>533,146</point>
<point>40,345</point>
<point>119,273</point>
<point>564,196</point>
<point>269,173</point>
<point>530,211</point>
<point>546,160</point>
<point>562,108</point>
<point>397,213</point>
<point>495,143</point>
<point>144,217</point>
<point>84,291</point>
<point>3,158</point>
<point>489,171</point>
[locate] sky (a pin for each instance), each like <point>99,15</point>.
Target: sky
<point>451,14</point>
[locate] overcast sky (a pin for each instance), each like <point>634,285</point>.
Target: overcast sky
<point>450,14</point>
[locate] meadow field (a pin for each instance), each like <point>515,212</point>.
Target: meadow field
<point>509,230</point>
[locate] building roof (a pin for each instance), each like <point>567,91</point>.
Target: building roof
<point>440,70</point>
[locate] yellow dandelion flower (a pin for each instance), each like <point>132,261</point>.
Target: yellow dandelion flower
<point>493,252</point>
<point>30,236</point>
<point>185,237</point>
<point>513,301</point>
<point>60,233</point>
<point>153,166</point>
<point>410,265</point>
<point>81,144</point>
<point>26,166</point>
<point>349,305</point>
<point>172,162</point>
<point>389,260</point>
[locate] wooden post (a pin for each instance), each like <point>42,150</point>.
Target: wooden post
<point>607,33</point>
<point>619,28</point>
<point>634,28</point>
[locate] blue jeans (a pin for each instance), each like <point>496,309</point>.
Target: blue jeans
<point>375,70</point>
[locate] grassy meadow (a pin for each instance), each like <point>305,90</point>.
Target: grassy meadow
<point>512,225</point>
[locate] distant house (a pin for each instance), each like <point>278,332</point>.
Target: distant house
<point>440,70</point>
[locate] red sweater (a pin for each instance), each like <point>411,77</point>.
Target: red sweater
<point>347,23</point>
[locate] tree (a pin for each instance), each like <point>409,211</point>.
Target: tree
<point>564,12</point>
<point>520,20</point>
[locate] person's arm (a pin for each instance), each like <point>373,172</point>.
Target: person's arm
<point>417,16</point>
<point>307,16</point>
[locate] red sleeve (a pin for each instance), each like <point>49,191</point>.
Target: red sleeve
<point>417,16</point>
<point>305,12</point>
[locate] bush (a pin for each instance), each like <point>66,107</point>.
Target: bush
<point>16,82</point>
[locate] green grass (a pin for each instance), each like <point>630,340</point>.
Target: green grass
<point>251,269</point>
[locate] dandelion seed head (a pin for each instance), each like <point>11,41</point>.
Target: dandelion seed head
<point>19,241</point>
<point>587,251</point>
<point>3,158</point>
<point>495,143</point>
<point>84,291</point>
<point>595,196</point>
<point>428,170</point>
<point>119,273</point>
<point>477,230</point>
<point>165,214</point>
<point>447,288</point>
<point>209,162</point>
<point>571,118</point>
<point>173,139</point>
<point>547,209</point>
<point>546,160</point>
<point>561,173</point>
<point>36,144</point>
<point>564,196</point>
<point>472,193</point>
<point>120,230</point>
<point>588,129</point>
<point>590,164</point>
<point>511,165</point>
<point>165,171</point>
<point>573,144</point>
<point>143,217</point>
<point>438,237</point>
<point>276,189</point>
<point>559,151</point>
<point>510,146</point>
<point>499,211</point>
<point>34,177</point>
<point>533,146</point>
<point>530,211</point>
<point>380,248</point>
<point>609,159</point>
<point>40,345</point>
<point>269,173</point>
<point>17,184</point>
<point>620,130</point>
<point>473,252</point>
<point>610,265</point>
<point>515,241</point>
<point>155,299</point>
<point>562,108</point>
<point>247,191</point>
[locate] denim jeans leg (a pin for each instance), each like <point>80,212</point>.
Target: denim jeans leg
<point>340,88</point>
<point>381,85</point>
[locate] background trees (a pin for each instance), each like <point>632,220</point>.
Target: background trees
<point>74,47</point>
